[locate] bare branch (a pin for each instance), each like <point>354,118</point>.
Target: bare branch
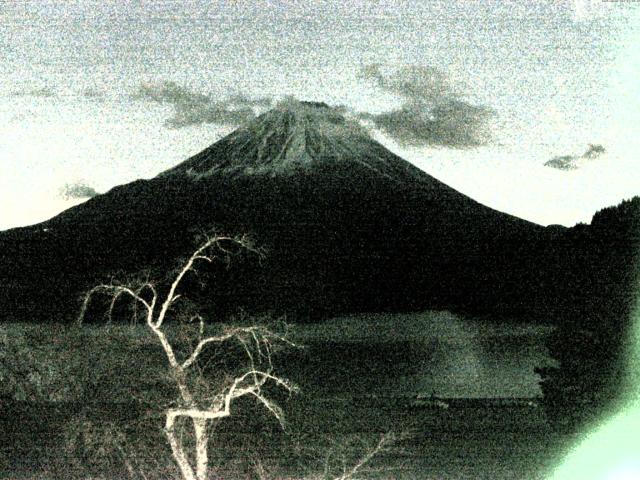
<point>201,344</point>
<point>112,305</point>
<point>188,266</point>
<point>203,257</point>
<point>114,290</point>
<point>261,336</point>
<point>275,410</point>
<point>382,447</point>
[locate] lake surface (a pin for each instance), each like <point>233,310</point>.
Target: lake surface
<point>426,353</point>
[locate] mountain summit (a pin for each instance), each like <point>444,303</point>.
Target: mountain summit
<point>298,137</point>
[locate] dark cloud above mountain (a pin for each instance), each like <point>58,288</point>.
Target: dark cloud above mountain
<point>433,110</point>
<point>193,108</point>
<point>452,123</point>
<point>77,190</point>
<point>572,162</point>
<point>414,82</point>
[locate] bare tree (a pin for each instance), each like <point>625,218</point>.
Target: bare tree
<point>345,458</point>
<point>337,465</point>
<point>359,467</point>
<point>195,403</point>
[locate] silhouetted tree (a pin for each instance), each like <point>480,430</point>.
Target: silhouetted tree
<point>198,400</point>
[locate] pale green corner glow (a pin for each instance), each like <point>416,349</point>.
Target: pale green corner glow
<point>612,450</point>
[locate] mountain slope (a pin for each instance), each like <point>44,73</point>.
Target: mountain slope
<point>293,138</point>
<point>348,226</point>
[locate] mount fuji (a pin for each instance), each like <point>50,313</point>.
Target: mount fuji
<point>348,226</point>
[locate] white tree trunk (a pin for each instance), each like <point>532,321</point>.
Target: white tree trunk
<point>200,419</point>
<point>176,449</point>
<point>202,440</point>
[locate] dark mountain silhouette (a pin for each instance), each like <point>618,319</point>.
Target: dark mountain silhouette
<point>348,226</point>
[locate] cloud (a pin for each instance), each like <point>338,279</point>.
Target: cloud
<point>452,124</point>
<point>573,162</point>
<point>48,92</point>
<point>594,151</point>
<point>192,108</point>
<point>77,190</point>
<point>413,82</point>
<point>170,92</point>
<point>433,111</point>
<point>92,93</point>
<point>43,92</point>
<point>563,162</point>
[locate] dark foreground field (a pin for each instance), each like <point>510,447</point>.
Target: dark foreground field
<point>97,414</point>
<point>472,441</point>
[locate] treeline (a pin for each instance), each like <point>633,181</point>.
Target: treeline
<point>596,296</point>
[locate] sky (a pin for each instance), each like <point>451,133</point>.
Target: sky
<point>480,94</point>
